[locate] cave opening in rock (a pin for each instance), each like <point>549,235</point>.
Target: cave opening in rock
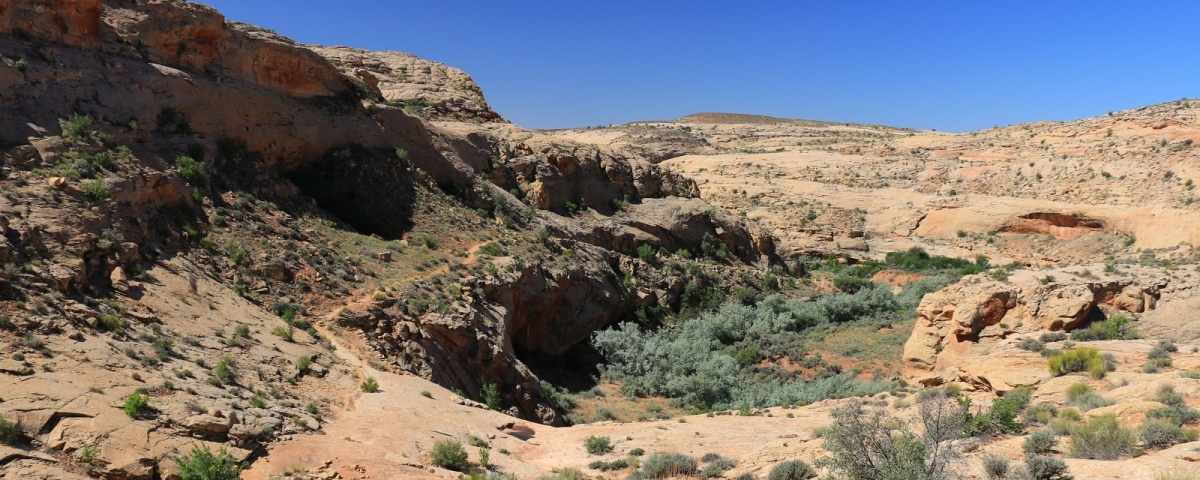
<point>370,189</point>
<point>575,370</point>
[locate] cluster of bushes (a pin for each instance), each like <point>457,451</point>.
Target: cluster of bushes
<point>708,361</point>
<point>1160,356</point>
<point>1115,328</point>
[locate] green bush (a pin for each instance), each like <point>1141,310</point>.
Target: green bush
<point>1000,418</point>
<point>449,454</point>
<point>491,396</point>
<point>792,470</point>
<point>95,189</point>
<point>370,385</point>
<point>135,404</point>
<point>111,323</point>
<point>1102,438</point>
<point>203,464</point>
<point>667,465</point>
<point>1160,434</point>
<point>598,445</point>
<point>492,248</point>
<point>915,258</point>
<point>8,431</point>
<point>851,284</point>
<point>1082,359</point>
<point>1038,467</point>
<point>1040,442</point>
<point>637,452</point>
<point>1115,328</point>
<point>77,128</point>
<point>191,170</point>
<point>645,252</point>
<point>224,372</point>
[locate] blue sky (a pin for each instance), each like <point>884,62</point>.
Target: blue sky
<point>953,66</point>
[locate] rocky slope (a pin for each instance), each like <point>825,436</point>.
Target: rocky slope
<point>175,228</point>
<point>241,230</point>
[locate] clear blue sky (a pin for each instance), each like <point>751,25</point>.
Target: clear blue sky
<point>949,65</point>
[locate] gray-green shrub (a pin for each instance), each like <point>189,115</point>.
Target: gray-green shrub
<point>1102,438</point>
<point>792,470</point>
<point>666,465</point>
<point>1039,467</point>
<point>693,361</point>
<point>868,444</point>
<point>1040,442</point>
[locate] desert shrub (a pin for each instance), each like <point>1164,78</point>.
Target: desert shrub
<point>203,464</point>
<point>1175,409</point>
<point>1160,434</point>
<point>1040,442</point>
<point>449,454</point>
<point>242,330</point>
<point>995,466</point>
<point>1041,413</point>
<point>1053,337</point>
<point>1000,418</point>
<point>111,323</point>
<point>95,189</point>
<point>77,128</point>
<point>598,445</point>
<point>916,258</point>
<point>135,404</point>
<point>851,284</point>
<point>492,248</point>
<point>1102,438</point>
<point>869,444</point>
<point>1115,328</point>
<point>604,466</point>
<point>370,385</point>
<point>1082,359</point>
<point>8,431</point>
<point>792,470</point>
<point>637,452</point>
<point>1031,344</point>
<point>645,252</point>
<point>191,170</point>
<point>1163,349</point>
<point>692,361</point>
<point>667,465</point>
<point>224,372</point>
<point>491,396</point>
<point>1081,395</point>
<point>1038,467</point>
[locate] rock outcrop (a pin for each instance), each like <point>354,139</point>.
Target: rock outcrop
<point>980,310</point>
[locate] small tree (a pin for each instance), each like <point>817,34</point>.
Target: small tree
<point>203,464</point>
<point>491,396</point>
<point>869,444</point>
